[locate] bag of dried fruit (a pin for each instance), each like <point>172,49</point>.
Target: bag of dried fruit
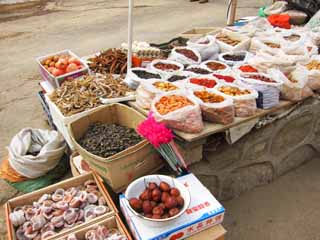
<point>136,75</point>
<point>294,86</point>
<point>313,68</point>
<point>244,98</point>
<point>178,110</point>
<point>215,107</point>
<point>207,47</point>
<point>267,86</point>
<point>271,44</point>
<point>166,68</point>
<point>185,55</point>
<point>234,58</point>
<point>232,41</point>
<point>148,90</point>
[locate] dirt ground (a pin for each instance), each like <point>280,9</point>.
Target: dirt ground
<point>285,209</point>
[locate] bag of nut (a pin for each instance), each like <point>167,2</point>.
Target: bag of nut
<point>313,68</point>
<point>178,110</point>
<point>268,44</point>
<point>148,90</point>
<point>207,47</point>
<point>215,107</point>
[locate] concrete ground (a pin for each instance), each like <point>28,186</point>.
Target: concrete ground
<point>285,209</point>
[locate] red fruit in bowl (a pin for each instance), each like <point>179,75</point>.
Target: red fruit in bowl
<point>135,204</point>
<point>57,72</point>
<point>156,195</point>
<point>162,205</point>
<point>74,60</point>
<point>164,196</point>
<point>147,207</point>
<point>72,67</point>
<point>153,203</point>
<point>165,187</point>
<point>61,64</point>
<point>145,195</point>
<point>157,211</point>
<point>175,192</point>
<point>156,216</point>
<point>171,202</point>
<point>173,212</point>
<point>149,215</point>
<point>180,201</point>
<point>152,185</point>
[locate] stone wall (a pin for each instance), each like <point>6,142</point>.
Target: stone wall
<point>262,155</point>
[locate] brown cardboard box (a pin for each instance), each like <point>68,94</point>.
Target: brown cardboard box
<point>29,198</point>
<point>120,169</point>
<point>214,233</point>
<point>200,31</point>
<point>111,223</point>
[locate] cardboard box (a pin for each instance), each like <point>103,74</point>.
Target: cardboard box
<point>29,198</point>
<point>111,223</point>
<point>204,212</point>
<point>120,169</point>
<point>57,81</point>
<point>200,31</point>
<point>214,233</point>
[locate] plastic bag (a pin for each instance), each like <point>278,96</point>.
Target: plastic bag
<point>222,112</point>
<point>269,92</point>
<point>168,72</point>
<point>133,80</point>
<point>180,58</point>
<point>294,86</point>
<point>245,105</point>
<point>187,119</point>
<point>207,47</point>
<point>268,44</point>
<point>314,74</point>
<point>242,45</point>
<point>34,152</point>
<point>276,8</point>
<point>146,92</point>
<point>234,63</point>
<point>215,66</point>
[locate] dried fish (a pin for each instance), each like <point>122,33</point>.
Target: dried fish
<point>82,94</point>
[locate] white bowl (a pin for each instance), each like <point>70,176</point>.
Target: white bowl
<point>139,185</point>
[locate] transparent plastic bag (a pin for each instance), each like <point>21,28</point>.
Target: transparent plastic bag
<point>207,47</point>
<point>245,105</point>
<point>180,58</point>
<point>222,112</point>
<point>186,119</point>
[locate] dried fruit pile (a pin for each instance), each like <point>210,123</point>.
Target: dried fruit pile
<point>171,103</point>
<point>61,64</point>
<point>247,68</point>
<point>188,53</point>
<point>105,140</point>
<point>236,58</point>
<point>166,66</point>
<point>233,91</point>
<point>214,66</point>
<point>209,83</point>
<point>292,37</point>
<point>198,70</point>
<point>226,39</point>
<point>165,86</point>
<point>313,65</point>
<point>272,45</point>
<point>224,78</point>
<point>208,97</point>
<point>158,202</point>
<point>176,78</point>
<point>59,210</point>
<point>82,94</point>
<point>100,233</point>
<point>112,61</point>
<point>146,75</point>
<point>260,78</point>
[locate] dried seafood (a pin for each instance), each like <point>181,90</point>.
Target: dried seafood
<point>82,94</point>
<point>62,209</point>
<point>100,233</point>
<point>112,61</point>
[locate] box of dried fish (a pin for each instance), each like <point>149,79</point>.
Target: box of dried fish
<point>79,97</point>
<point>61,66</point>
<point>108,229</point>
<point>107,140</point>
<point>59,209</point>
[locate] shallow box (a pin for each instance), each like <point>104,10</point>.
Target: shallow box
<point>113,222</point>
<point>29,198</point>
<point>120,169</point>
<point>200,31</point>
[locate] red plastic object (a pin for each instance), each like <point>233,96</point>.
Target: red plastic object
<point>280,20</point>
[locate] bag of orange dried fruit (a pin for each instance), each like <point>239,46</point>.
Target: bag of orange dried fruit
<point>215,107</point>
<point>178,110</point>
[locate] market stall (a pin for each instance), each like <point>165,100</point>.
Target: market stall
<point>231,97</point>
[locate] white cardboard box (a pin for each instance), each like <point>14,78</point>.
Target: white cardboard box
<point>204,212</point>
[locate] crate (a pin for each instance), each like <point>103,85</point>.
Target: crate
<point>122,168</point>
<point>200,31</point>
<point>29,198</point>
<point>57,81</point>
